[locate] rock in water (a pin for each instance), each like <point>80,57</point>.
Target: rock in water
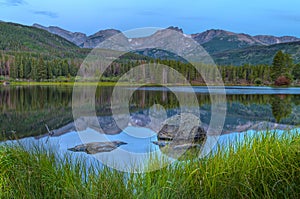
<point>185,136</point>
<point>182,127</point>
<point>97,147</point>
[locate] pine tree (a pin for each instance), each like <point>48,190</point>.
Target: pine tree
<point>21,71</point>
<point>296,71</point>
<point>282,66</point>
<point>41,70</point>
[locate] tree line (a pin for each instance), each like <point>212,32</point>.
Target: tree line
<point>37,68</point>
<point>26,66</point>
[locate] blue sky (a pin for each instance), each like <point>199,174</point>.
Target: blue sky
<point>89,16</point>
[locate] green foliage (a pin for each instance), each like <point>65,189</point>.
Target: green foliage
<point>223,43</point>
<point>263,166</point>
<point>282,65</point>
<point>41,70</point>
<point>16,37</point>
<point>39,174</point>
<point>258,81</point>
<point>34,54</point>
<point>296,71</point>
<point>281,107</point>
<point>256,55</point>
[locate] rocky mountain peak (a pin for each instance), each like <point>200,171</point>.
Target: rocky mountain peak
<point>100,36</point>
<point>105,33</point>
<point>209,35</point>
<point>270,40</point>
<point>74,37</point>
<point>176,29</point>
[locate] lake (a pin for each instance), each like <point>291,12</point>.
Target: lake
<point>25,110</point>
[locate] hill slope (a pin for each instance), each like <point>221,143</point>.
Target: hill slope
<point>20,38</point>
<point>257,54</point>
<point>220,40</point>
<point>74,37</point>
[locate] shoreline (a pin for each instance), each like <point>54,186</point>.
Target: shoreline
<point>71,83</point>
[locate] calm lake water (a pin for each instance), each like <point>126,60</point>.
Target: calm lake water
<point>26,109</point>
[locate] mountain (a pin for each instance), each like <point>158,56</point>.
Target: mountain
<point>74,37</point>
<point>176,29</point>
<point>16,37</point>
<point>220,40</point>
<point>257,54</point>
<point>270,40</point>
<point>226,48</point>
<point>214,40</point>
<point>95,39</point>
<point>209,35</point>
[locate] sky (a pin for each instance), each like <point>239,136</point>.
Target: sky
<point>254,17</point>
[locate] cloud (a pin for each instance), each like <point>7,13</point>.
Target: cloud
<point>46,13</point>
<point>13,2</point>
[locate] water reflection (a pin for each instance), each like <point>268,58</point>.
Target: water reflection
<point>281,107</point>
<point>26,109</point>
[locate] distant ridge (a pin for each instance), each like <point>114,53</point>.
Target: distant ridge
<point>75,37</point>
<point>269,40</point>
<point>226,48</point>
<point>214,40</point>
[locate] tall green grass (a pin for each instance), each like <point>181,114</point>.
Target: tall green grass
<point>264,166</point>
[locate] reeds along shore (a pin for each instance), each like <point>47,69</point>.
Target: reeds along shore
<point>263,166</point>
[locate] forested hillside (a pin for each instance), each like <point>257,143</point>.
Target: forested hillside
<point>16,37</point>
<point>29,53</point>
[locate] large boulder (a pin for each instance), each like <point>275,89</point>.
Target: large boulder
<point>181,136</point>
<point>182,127</point>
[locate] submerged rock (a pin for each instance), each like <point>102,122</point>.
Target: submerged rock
<point>97,147</point>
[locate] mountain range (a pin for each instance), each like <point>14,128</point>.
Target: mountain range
<point>213,40</point>
<point>226,48</point>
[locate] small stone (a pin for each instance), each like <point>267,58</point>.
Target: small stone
<point>97,147</point>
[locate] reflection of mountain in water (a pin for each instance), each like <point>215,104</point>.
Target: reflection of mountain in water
<point>26,110</point>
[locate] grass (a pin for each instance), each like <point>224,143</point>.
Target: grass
<point>264,166</point>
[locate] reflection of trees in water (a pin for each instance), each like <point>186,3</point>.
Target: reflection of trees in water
<point>146,99</point>
<point>23,98</point>
<point>27,109</point>
<point>281,106</point>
